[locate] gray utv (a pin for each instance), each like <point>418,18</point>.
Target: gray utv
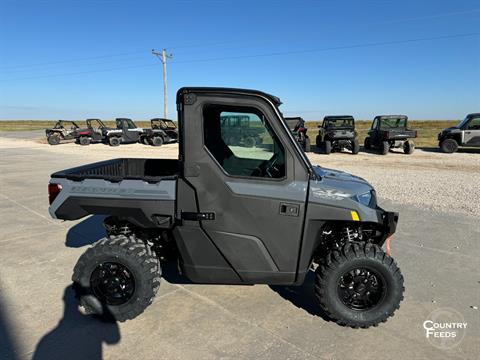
<point>231,214</point>
<point>390,132</point>
<point>161,131</point>
<point>338,133</point>
<point>467,133</point>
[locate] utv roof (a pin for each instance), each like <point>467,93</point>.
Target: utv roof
<point>473,115</point>
<point>337,117</point>
<point>160,119</point>
<point>220,90</point>
<point>391,117</point>
<point>293,118</point>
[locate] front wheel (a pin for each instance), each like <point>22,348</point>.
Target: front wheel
<point>157,141</point>
<point>359,285</point>
<point>327,146</point>
<point>114,141</point>
<point>449,146</point>
<point>84,140</point>
<point>117,278</point>
<point>53,139</point>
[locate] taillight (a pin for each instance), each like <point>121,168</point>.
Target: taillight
<point>53,191</point>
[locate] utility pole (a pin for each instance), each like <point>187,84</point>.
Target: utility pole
<point>163,58</point>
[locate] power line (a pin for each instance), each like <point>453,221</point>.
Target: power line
<point>280,53</point>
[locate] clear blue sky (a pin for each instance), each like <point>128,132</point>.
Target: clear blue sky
<point>78,59</point>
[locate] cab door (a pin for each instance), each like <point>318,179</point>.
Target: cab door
<point>472,132</point>
<point>251,199</point>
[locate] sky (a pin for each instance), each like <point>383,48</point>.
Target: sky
<point>74,59</point>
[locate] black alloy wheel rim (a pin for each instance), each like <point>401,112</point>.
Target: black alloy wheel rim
<point>112,283</point>
<point>361,289</point>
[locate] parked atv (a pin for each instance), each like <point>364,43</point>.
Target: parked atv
<point>240,131</point>
<point>62,130</point>
<point>390,132</point>
<point>125,132</point>
<point>338,133</point>
<point>467,133</point>
<point>299,132</point>
<point>230,214</point>
<point>161,131</point>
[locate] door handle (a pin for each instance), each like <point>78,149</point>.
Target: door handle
<point>289,209</point>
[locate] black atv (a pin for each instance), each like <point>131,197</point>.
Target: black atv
<point>389,132</point>
<point>162,131</point>
<point>62,130</point>
<point>299,132</point>
<point>338,133</point>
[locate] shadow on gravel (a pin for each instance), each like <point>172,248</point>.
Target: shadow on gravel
<point>302,296</point>
<point>86,232</point>
<point>76,336</point>
<point>461,150</point>
<point>9,348</point>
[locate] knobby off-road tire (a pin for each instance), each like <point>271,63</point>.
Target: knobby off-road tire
<point>449,146</point>
<point>96,279</point>
<point>114,141</point>
<point>367,144</point>
<point>157,141</point>
<point>84,140</point>
<point>384,148</point>
<point>355,146</point>
<point>327,147</point>
<point>330,285</point>
<point>53,139</point>
<point>408,147</point>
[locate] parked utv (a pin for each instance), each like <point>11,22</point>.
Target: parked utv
<point>238,131</point>
<point>62,130</point>
<point>338,133</point>
<point>231,214</point>
<point>390,132</point>
<point>466,133</point>
<point>161,131</point>
<point>299,132</point>
<point>125,132</point>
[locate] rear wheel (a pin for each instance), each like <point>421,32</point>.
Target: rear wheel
<point>145,141</point>
<point>327,147</point>
<point>157,141</point>
<point>359,285</point>
<point>384,148</point>
<point>367,144</point>
<point>408,147</point>
<point>449,146</point>
<point>117,278</point>
<point>53,139</point>
<point>355,146</point>
<point>249,141</point>
<point>84,140</point>
<point>114,141</point>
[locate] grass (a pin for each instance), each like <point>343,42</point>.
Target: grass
<point>427,130</point>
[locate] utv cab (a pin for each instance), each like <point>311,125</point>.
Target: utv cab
<point>338,133</point>
<point>467,133</point>
<point>62,130</point>
<point>299,132</point>
<point>389,132</point>
<point>161,131</point>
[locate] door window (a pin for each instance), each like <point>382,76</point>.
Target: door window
<point>242,141</point>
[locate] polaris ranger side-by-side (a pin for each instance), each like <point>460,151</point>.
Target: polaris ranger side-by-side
<point>338,133</point>
<point>161,131</point>
<point>125,132</point>
<point>466,133</point>
<point>390,132</point>
<point>62,130</point>
<point>231,214</point>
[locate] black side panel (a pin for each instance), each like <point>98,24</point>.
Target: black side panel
<point>201,261</point>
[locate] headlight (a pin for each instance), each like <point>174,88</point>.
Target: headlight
<point>365,198</point>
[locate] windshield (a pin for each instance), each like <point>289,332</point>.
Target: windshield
<point>170,124</point>
<point>463,122</point>
<point>338,123</point>
<point>393,123</point>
